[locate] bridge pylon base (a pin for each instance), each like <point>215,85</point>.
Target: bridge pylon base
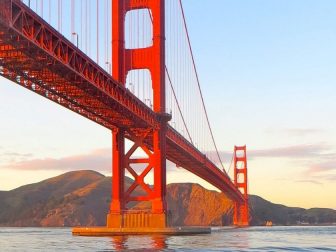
<point>241,215</point>
<point>136,219</point>
<point>105,231</point>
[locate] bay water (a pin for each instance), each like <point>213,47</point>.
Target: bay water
<point>221,239</point>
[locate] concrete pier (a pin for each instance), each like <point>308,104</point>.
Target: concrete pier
<point>105,231</point>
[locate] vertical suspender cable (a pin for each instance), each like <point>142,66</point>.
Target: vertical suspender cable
<point>98,32</point>
<point>41,6</point>
<point>174,94</point>
<point>50,12</point>
<point>138,45</point>
<point>73,35</point>
<point>81,23</point>
<point>89,24</point>
<point>106,35</point>
<point>199,86</point>
<point>59,15</point>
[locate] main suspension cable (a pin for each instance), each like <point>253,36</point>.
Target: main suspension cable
<point>174,93</point>
<point>199,86</point>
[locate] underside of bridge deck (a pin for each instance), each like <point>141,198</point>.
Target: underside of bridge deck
<point>37,57</point>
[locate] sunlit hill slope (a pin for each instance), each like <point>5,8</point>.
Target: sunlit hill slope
<point>83,197</point>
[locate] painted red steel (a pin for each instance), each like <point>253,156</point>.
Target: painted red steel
<point>125,60</point>
<point>39,58</point>
<point>241,210</point>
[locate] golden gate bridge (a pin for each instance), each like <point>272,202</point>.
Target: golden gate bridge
<point>127,65</point>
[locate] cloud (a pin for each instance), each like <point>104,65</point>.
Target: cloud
<point>318,158</point>
<point>331,178</point>
<point>99,160</point>
<point>225,156</point>
<point>328,165</point>
<point>309,181</point>
<point>326,177</point>
<point>302,155</point>
<point>295,151</point>
<point>295,132</point>
<point>11,156</point>
<point>302,132</point>
<point>16,155</point>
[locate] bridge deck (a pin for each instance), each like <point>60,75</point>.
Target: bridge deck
<point>39,58</point>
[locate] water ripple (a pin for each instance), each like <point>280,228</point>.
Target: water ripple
<point>221,239</point>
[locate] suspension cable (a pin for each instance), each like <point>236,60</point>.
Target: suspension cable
<point>230,163</point>
<point>178,105</point>
<point>174,93</point>
<point>199,86</point>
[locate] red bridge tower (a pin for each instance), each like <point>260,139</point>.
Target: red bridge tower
<point>125,60</point>
<point>241,211</point>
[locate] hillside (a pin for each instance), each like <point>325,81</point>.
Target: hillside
<point>262,210</point>
<point>83,197</point>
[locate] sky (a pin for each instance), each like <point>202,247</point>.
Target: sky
<point>267,71</point>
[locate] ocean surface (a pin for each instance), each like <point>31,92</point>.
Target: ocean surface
<point>221,239</point>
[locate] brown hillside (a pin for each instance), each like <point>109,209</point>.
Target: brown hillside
<point>28,205</point>
<point>191,204</point>
<point>82,198</point>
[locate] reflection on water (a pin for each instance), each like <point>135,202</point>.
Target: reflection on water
<point>119,243</point>
<point>159,242</point>
<point>221,239</point>
<point>155,242</point>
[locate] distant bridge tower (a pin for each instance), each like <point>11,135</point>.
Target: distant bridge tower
<point>125,60</point>
<point>241,211</point>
